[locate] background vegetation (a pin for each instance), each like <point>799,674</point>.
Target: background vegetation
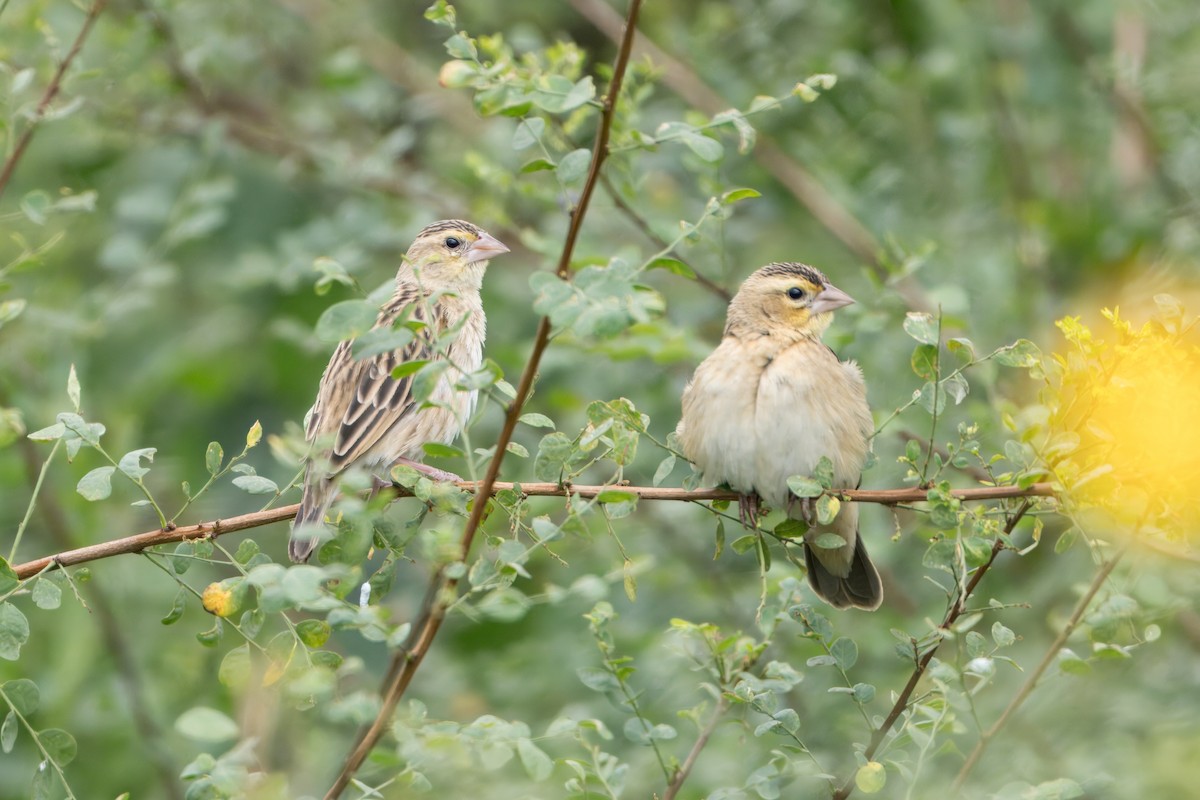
<point>211,177</point>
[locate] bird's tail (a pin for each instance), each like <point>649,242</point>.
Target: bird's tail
<point>318,495</point>
<point>858,588</point>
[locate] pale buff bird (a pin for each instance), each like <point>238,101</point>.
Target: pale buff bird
<point>365,416</point>
<point>770,402</point>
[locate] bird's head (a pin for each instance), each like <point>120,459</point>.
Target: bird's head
<point>451,255</point>
<point>792,296</point>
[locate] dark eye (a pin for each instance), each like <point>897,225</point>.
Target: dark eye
<point>452,242</point>
<point>795,293</point>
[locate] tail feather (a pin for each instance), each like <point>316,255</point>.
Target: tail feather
<point>859,588</point>
<point>318,496</point>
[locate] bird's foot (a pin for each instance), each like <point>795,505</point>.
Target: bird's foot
<point>749,507</point>
<point>432,473</point>
<point>808,511</point>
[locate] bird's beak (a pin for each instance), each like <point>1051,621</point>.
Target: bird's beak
<point>829,299</point>
<point>484,248</point>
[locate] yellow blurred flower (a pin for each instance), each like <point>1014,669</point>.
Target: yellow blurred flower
<point>1125,421</point>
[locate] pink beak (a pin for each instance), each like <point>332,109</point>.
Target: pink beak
<point>829,299</point>
<point>484,248</point>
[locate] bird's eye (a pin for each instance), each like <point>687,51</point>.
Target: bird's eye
<point>795,293</point>
<point>453,242</point>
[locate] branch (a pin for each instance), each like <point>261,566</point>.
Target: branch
<point>406,662</point>
<point>48,96</point>
<point>211,530</point>
<point>956,611</point>
<point>802,184</point>
<point>685,769</point>
<point>1032,681</point>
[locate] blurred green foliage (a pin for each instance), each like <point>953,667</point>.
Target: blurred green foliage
<point>212,177</point>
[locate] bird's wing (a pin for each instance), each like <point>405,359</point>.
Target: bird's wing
<point>359,401</point>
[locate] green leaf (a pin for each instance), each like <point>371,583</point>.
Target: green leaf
<point>528,132</point>
<point>441,13</point>
<point>8,732</point>
<point>535,761</point>
<point>736,195</point>
<point>380,340</point>
<point>460,46</point>
<point>1021,353</point>
<point>802,486</point>
<point>177,608</point>
<point>926,399</point>
<point>828,541</point>
<point>844,652</point>
<point>14,631</point>
<point>1058,789</point>
<point>346,320</point>
<point>977,646</point>
<point>46,594</point>
<point>59,745</point>
<point>313,632</point>
<point>10,310</point>
<point>204,724</point>
<point>707,148</point>
<point>574,165</point>
<point>963,349</point>
<point>8,578</point>
<point>664,469</point>
<point>97,484</point>
<point>408,368</point>
<point>213,457</point>
<point>235,668</point>
<point>537,165</point>
<point>924,361</point>
<point>673,265</point>
<point>131,462</point>
<point>24,695</point>
<point>255,484</point>
<point>439,450</point>
<point>72,385</point>
<point>254,435</point>
<point>1002,636</point>
<point>535,420</point>
<point>956,387</point>
<point>598,680</point>
<point>827,508</point>
<point>425,382</point>
<point>557,94</point>
<point>863,693</point>
<point>922,327</point>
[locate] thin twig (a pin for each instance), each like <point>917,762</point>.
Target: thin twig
<point>114,635</point>
<point>409,659</point>
<point>642,225</point>
<point>48,96</point>
<point>802,184</point>
<point>1032,681</point>
<point>256,519</point>
<point>956,610</point>
<point>685,769</point>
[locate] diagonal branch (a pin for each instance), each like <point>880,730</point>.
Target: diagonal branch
<point>48,96</point>
<point>802,184</point>
<point>956,610</point>
<point>256,519</point>
<point>408,660</point>
<point>1034,677</point>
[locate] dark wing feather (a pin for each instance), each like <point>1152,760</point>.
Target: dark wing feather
<point>359,401</point>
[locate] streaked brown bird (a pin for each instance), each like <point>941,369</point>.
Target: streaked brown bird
<point>365,416</point>
<point>769,402</point>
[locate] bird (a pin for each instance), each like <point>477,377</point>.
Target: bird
<point>366,416</point>
<point>769,402</point>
